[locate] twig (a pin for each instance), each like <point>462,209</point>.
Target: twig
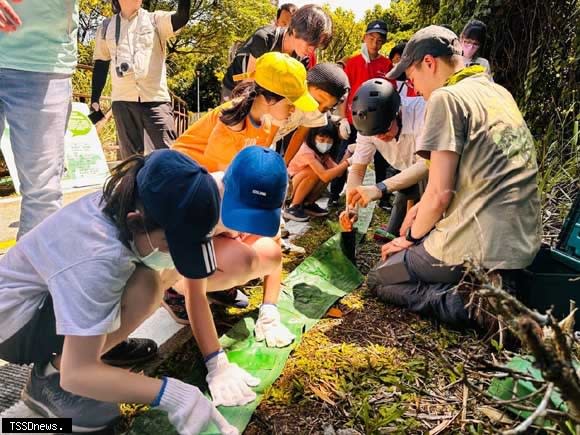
<point>539,412</point>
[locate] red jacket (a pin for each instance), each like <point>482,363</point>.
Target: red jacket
<point>358,72</point>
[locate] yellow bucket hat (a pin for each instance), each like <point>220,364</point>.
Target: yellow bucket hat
<point>284,76</point>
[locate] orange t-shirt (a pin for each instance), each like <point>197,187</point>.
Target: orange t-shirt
<point>213,144</point>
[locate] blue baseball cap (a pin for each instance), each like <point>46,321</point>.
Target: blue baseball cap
<point>180,196</point>
<point>254,190</point>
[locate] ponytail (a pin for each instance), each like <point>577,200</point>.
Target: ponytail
<point>120,197</point>
<point>246,93</point>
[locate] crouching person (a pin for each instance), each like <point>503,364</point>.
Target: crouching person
<point>311,170</point>
<point>86,277</point>
<point>481,199</point>
<point>389,125</point>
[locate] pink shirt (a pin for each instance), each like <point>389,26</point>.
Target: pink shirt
<point>304,156</point>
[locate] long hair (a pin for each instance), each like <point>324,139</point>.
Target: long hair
<point>245,93</point>
<point>121,196</point>
<point>329,130</point>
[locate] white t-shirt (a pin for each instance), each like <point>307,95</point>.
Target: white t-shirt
<point>75,256</point>
<point>400,154</point>
<point>299,118</point>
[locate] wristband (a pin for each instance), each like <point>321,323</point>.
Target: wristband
<point>157,399</point>
<point>410,238</point>
<point>212,355</point>
<point>383,188</point>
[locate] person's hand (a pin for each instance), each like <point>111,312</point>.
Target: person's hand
<point>9,20</point>
<point>270,328</point>
<point>344,129</point>
<point>394,246</point>
<point>95,107</point>
<point>362,195</point>
<point>228,383</point>
<point>190,411</point>
<point>346,219</point>
<point>409,219</point>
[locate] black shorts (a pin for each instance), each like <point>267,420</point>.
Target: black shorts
<point>35,342</point>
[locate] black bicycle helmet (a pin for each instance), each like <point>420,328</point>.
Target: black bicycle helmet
<point>374,107</point>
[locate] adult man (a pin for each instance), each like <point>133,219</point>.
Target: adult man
<point>310,28</point>
<point>37,59</point>
<point>368,64</point>
<point>481,200</point>
<point>390,125</point>
<point>134,39</point>
<point>284,14</point>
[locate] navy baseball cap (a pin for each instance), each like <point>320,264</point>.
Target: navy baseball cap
<point>179,195</point>
<point>255,185</point>
<point>434,40</point>
<point>378,26</point>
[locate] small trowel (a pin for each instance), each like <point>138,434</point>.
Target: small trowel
<point>348,241</point>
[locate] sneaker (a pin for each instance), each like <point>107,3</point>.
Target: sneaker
<point>333,202</point>
<point>230,298</point>
<point>385,204</point>
<point>315,210</point>
<point>174,303</point>
<point>130,352</point>
<point>44,395</point>
<point>295,213</point>
<point>288,246</point>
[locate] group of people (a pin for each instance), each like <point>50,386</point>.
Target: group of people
<point>184,220</point>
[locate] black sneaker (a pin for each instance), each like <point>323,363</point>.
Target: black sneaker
<point>44,395</point>
<point>295,213</point>
<point>229,298</point>
<point>385,204</point>
<point>333,202</point>
<point>130,352</point>
<point>315,210</point>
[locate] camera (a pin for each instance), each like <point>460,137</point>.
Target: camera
<point>122,69</point>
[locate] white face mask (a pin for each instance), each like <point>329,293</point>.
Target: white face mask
<point>156,259</point>
<point>365,53</point>
<point>323,147</point>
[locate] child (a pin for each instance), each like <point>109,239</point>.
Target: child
<point>278,85</point>
<point>328,84</point>
<point>311,170</point>
<point>472,41</point>
<point>87,276</point>
<point>253,189</point>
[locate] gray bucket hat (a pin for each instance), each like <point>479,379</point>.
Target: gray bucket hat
<point>433,40</point>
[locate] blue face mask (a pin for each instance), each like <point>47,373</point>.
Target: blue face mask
<point>156,259</point>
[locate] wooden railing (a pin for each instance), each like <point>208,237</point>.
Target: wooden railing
<point>180,113</point>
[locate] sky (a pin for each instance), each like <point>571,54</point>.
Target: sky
<point>357,6</point>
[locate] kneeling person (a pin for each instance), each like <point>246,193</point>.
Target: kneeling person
<point>481,200</point>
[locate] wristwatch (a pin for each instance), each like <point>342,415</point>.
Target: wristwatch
<point>383,188</point>
<point>410,238</point>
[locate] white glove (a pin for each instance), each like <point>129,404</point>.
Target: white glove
<point>344,129</point>
<point>228,383</point>
<point>270,328</point>
<point>190,411</point>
